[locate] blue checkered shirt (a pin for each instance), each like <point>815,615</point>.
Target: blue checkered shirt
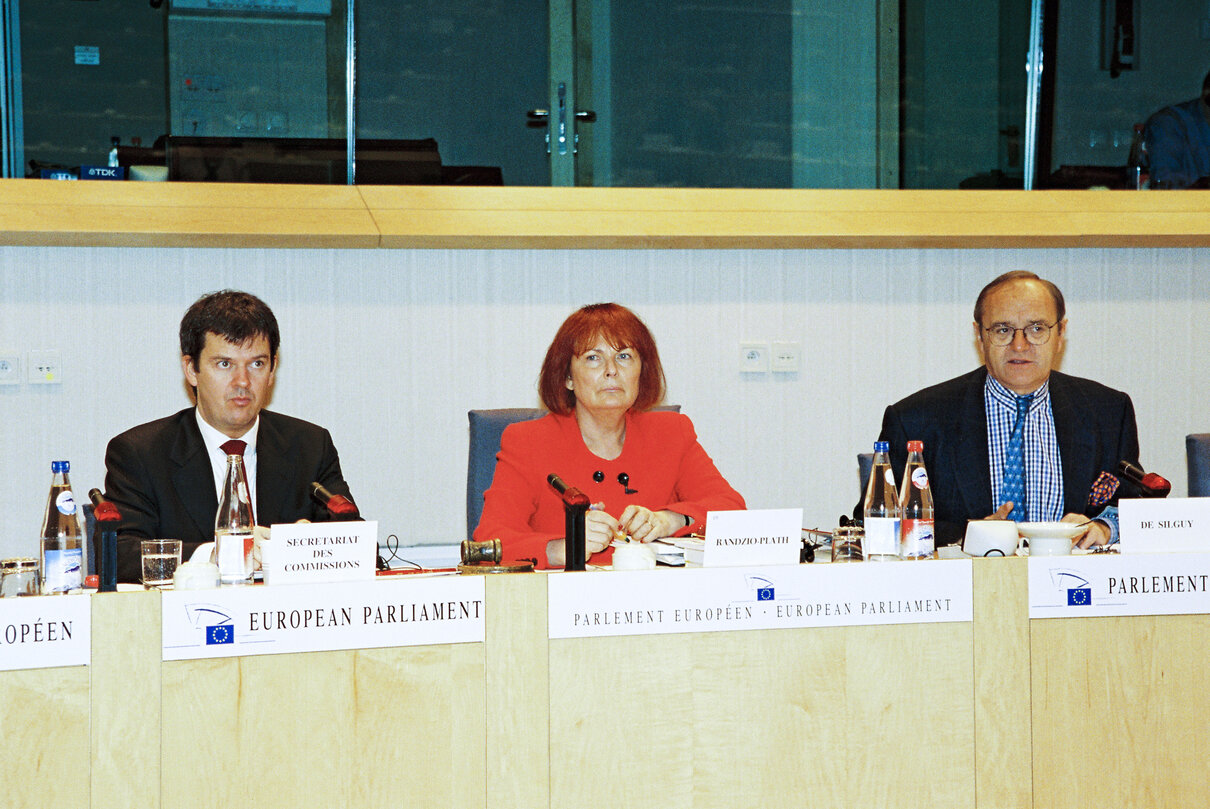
<point>1043,466</point>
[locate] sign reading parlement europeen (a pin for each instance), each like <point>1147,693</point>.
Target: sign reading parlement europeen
<point>237,621</point>
<point>40,632</point>
<point>301,552</point>
<point>655,602</point>
<point>1119,584</point>
<point>771,536</point>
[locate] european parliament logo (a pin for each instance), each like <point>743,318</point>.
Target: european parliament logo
<point>764,588</point>
<point>1079,597</point>
<point>220,633</point>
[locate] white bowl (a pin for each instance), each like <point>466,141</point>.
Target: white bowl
<point>1052,530</point>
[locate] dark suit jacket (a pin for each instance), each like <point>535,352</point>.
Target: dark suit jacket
<point>159,476</point>
<point>1094,426</point>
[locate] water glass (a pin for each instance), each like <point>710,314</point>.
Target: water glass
<point>160,560</point>
<point>846,543</point>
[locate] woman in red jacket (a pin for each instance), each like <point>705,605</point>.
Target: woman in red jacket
<point>644,471</point>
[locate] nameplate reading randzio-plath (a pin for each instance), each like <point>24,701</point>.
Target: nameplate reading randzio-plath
<point>301,553</point>
<point>755,537</point>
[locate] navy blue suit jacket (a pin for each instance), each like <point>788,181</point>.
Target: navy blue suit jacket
<point>159,476</point>
<point>1094,426</point>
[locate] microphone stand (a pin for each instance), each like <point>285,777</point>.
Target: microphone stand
<point>575,506</point>
<point>107,524</point>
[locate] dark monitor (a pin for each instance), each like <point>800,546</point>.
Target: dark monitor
<point>319,161</point>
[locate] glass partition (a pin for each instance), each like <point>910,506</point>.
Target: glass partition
<point>759,94</point>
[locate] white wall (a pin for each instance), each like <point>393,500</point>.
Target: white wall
<point>389,349</point>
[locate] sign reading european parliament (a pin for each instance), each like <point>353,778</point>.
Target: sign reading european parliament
<point>1119,584</point>
<point>653,602</point>
<point>258,620</point>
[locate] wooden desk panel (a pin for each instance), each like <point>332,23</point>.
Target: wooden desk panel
<point>1119,712</point>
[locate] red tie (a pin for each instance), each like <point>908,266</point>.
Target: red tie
<point>235,446</point>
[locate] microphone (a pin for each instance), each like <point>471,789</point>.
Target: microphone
<point>1151,484</point>
<point>108,517</point>
<point>337,504</point>
<point>102,509</point>
<point>571,495</point>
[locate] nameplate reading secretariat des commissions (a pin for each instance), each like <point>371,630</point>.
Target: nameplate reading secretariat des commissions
<point>655,602</point>
<point>321,552</point>
<point>1119,584</point>
<point>42,632</point>
<point>237,621</point>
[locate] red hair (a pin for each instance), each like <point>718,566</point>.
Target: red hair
<point>621,328</point>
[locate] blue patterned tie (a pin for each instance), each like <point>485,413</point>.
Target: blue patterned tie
<point>1013,487</point>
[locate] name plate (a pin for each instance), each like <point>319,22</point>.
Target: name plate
<point>1174,525</point>
<point>239,621</point>
<point>39,632</point>
<point>302,553</point>
<point>755,537</point>
<point>1111,584</point>
<point>657,602</point>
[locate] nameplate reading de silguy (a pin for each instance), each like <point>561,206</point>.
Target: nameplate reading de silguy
<point>755,537</point>
<point>302,553</point>
<point>1171,525</point>
<point>41,632</point>
<point>1106,584</point>
<point>655,602</point>
<point>239,621</point>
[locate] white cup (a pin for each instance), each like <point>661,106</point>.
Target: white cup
<point>1049,546</point>
<point>991,538</point>
<point>633,556</point>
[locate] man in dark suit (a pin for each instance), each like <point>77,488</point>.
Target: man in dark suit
<point>164,476</point>
<point>1068,430</point>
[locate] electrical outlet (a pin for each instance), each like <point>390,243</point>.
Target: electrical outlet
<point>753,358</point>
<point>786,357</point>
<point>10,369</point>
<point>45,367</point>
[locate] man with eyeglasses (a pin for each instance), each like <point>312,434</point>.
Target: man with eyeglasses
<point>1016,439</point>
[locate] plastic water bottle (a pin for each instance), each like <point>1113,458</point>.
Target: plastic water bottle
<point>62,545</point>
<point>881,509</point>
<point>113,151</point>
<point>916,538</point>
<point>233,525</point>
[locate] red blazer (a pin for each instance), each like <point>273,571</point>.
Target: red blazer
<point>668,469</point>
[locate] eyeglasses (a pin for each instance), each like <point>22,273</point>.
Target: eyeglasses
<point>1003,334</point>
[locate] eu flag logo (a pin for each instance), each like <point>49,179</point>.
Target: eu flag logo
<point>764,594</point>
<point>1079,597</point>
<point>223,633</point>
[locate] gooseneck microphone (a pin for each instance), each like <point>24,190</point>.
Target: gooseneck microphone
<point>102,509</point>
<point>108,517</point>
<point>575,505</point>
<point>1149,483</point>
<point>571,495</point>
<point>337,504</point>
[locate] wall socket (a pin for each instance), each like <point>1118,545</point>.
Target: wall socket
<point>45,367</point>
<point>753,358</point>
<point>786,357</point>
<point>10,369</point>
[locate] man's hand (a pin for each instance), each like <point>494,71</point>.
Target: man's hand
<point>1094,532</point>
<point>1002,512</point>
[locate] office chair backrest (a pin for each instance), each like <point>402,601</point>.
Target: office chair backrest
<point>1197,459</point>
<point>865,462</point>
<point>487,427</point>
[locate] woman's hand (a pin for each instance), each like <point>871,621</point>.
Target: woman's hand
<point>600,529</point>
<point>644,525</point>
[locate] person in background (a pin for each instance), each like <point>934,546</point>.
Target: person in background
<point>644,471</point>
<point>164,476</point>
<point>1060,433</point>
<point>1178,143</point>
